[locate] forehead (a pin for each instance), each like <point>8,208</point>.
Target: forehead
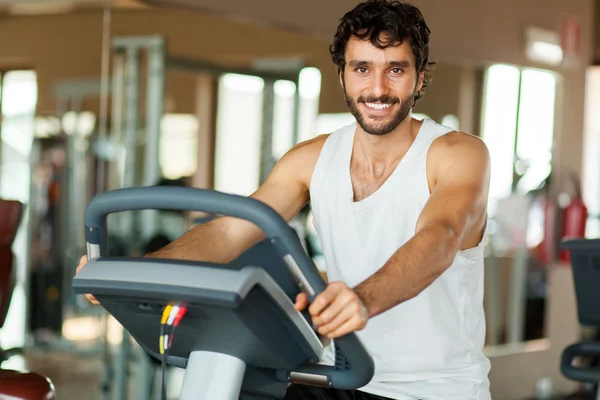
<point>357,49</point>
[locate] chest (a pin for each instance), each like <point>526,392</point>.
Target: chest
<point>365,182</point>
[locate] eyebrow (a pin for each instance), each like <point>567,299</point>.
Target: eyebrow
<point>362,63</point>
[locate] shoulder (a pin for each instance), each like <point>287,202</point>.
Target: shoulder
<point>458,146</point>
<point>459,151</point>
<point>307,150</point>
<point>301,159</point>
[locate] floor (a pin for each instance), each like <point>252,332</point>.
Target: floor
<point>80,375</point>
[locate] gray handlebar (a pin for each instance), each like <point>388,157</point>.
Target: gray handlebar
<point>580,374</point>
<point>361,367</point>
<point>180,199</point>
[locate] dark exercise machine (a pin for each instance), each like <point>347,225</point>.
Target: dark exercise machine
<point>233,327</point>
<point>581,361</point>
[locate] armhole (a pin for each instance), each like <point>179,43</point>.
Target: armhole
<point>323,161</point>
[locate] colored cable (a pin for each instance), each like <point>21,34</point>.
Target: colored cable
<point>171,318</point>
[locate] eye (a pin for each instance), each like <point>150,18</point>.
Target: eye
<point>396,70</point>
<point>361,70</point>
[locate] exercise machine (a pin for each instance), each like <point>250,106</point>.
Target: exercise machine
<point>581,361</point>
<point>240,336</point>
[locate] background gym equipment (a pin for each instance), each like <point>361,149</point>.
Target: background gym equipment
<point>241,333</point>
<point>15,385</point>
<point>581,361</point>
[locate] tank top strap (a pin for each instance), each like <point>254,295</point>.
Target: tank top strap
<point>335,147</point>
<point>430,130</point>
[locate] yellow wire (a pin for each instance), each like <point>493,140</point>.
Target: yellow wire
<point>166,313</point>
<point>165,316</point>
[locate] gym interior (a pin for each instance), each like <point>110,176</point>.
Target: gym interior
<point>101,95</point>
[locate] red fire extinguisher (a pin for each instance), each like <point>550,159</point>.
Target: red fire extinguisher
<point>547,250</point>
<point>575,217</point>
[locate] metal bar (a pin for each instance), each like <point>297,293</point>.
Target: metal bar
<point>121,389</point>
<point>214,68</point>
<point>101,183</point>
<point>117,118</point>
<point>492,296</point>
<point>266,151</point>
<point>516,158</point>
<point>296,116</point>
<point>154,114</point>
<point>136,42</point>
<point>517,296</point>
<point>145,375</point>
<point>131,115</point>
<point>77,88</point>
<point>73,211</point>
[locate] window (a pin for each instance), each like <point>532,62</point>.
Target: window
<point>240,126</point>
<point>328,123</point>
<point>535,131</point>
<point>178,155</point>
<point>518,127</point>
<point>237,158</point>
<point>283,114</point>
<point>19,100</point>
<point>591,151</point>
<point>310,90</point>
<point>451,121</point>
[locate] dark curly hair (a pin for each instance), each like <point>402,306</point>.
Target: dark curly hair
<point>385,23</point>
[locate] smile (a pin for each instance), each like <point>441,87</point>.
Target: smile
<point>378,106</point>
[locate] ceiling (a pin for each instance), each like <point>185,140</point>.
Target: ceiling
<point>44,7</point>
<point>312,17</point>
<point>292,15</point>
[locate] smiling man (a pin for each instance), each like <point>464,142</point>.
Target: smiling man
<point>400,208</point>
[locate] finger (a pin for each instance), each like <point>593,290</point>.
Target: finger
<point>341,301</point>
<point>92,299</point>
<point>353,324</point>
<point>301,302</point>
<point>82,262</point>
<point>324,298</point>
<point>340,319</point>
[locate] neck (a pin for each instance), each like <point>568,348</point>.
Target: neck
<point>385,150</point>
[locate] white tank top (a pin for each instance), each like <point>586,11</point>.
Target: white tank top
<point>429,347</point>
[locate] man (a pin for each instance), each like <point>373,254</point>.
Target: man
<point>400,208</point>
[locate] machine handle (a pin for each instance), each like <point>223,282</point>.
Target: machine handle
<point>202,200</point>
<point>361,367</point>
<point>580,374</point>
<point>180,199</point>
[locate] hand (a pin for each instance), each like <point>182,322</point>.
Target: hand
<point>82,261</point>
<point>336,312</point>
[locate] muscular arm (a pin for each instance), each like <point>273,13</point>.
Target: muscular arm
<point>454,212</point>
<point>225,238</point>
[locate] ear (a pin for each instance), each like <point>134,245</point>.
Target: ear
<point>341,77</point>
<point>420,81</point>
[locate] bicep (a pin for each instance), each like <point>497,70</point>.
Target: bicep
<point>284,190</point>
<point>284,193</point>
<point>459,198</point>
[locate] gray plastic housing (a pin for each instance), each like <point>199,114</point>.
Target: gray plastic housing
<point>242,313</point>
<point>354,366</point>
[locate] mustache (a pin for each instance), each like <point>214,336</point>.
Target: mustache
<point>383,99</point>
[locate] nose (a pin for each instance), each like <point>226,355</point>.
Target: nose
<point>379,85</point>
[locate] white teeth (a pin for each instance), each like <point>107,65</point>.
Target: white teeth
<point>378,106</point>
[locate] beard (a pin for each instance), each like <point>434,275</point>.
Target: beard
<point>377,125</point>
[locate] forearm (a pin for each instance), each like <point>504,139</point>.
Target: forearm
<point>213,241</point>
<point>409,271</point>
